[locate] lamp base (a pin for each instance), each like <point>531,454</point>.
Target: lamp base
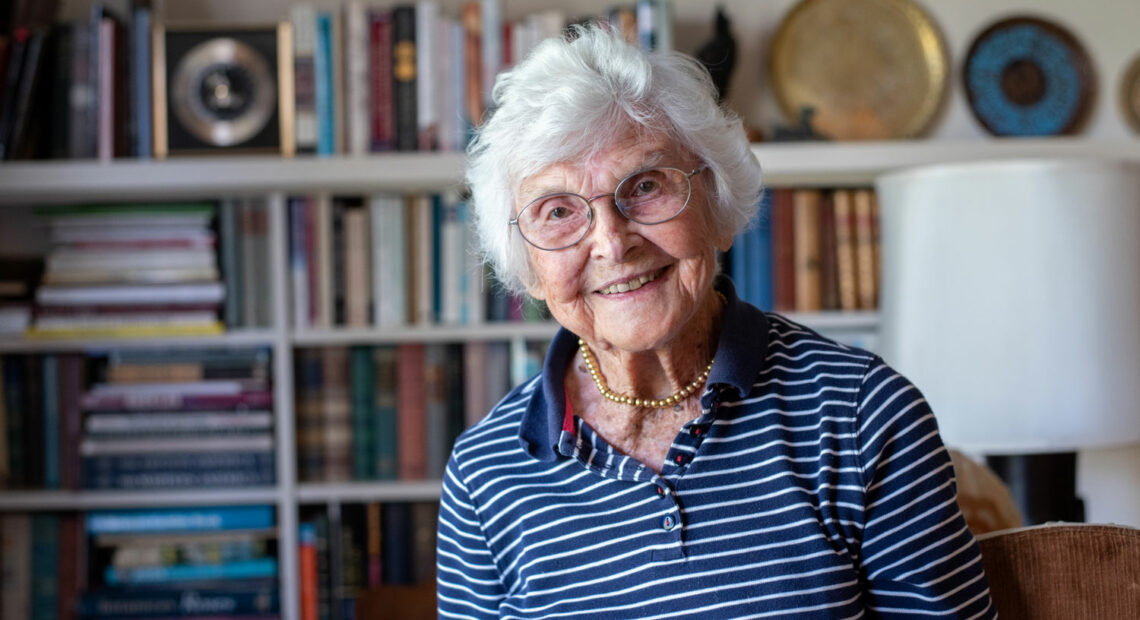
<point>1043,485</point>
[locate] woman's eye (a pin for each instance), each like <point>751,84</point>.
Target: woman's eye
<point>558,213</point>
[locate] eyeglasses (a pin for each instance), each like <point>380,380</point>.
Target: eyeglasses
<point>560,220</point>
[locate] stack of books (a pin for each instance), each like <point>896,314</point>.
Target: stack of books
<point>183,562</point>
<point>129,270</point>
<point>163,419</point>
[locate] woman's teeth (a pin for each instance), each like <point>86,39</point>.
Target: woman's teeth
<point>632,285</point>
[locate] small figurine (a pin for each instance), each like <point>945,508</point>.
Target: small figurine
<point>718,55</point>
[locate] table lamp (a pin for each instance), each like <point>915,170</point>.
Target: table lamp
<point>1011,297</point>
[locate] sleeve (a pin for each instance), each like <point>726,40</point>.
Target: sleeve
<point>918,557</point>
<point>467,579</point>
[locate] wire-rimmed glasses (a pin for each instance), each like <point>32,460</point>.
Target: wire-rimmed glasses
<point>559,220</point>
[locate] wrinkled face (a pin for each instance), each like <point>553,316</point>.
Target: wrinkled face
<point>628,285</point>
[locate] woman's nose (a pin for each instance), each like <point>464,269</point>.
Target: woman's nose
<point>612,234</point>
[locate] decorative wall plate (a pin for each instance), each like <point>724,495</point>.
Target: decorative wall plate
<point>869,69</point>
<point>1025,76</point>
<point>1130,94</point>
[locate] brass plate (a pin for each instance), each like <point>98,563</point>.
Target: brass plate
<point>1130,94</point>
<point>870,69</point>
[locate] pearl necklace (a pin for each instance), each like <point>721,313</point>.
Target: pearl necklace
<point>632,401</point>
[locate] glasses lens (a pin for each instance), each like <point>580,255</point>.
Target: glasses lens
<point>556,221</point>
<point>653,196</point>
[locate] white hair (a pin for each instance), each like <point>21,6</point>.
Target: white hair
<point>569,99</point>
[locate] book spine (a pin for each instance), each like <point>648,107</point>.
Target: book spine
<point>141,83</point>
<point>171,402</point>
<point>45,566</point>
<point>179,479</point>
<point>307,560</point>
<point>427,66</point>
<point>412,415</point>
<point>383,130</point>
<point>337,412</point>
<point>845,249</point>
<point>806,214</point>
<point>385,424</point>
<point>228,229</point>
<point>304,20</point>
<point>51,454</point>
<point>865,267</point>
<point>323,73</point>
<point>363,440</point>
<point>251,569</point>
<point>404,77</point>
<point>15,394</point>
<point>298,263</point>
<point>143,603</point>
<point>16,562</point>
<point>783,250</point>
<point>357,85</point>
<point>190,519</point>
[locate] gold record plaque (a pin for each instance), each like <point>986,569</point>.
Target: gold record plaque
<point>223,91</point>
<point>1130,94</point>
<point>867,69</point>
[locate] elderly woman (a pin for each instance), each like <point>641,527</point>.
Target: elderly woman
<point>681,452</point>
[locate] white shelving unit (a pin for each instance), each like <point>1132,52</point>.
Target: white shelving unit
<point>30,183</point>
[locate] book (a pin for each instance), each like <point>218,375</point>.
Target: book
<point>309,419</point>
<point>783,250</point>
<point>188,519</point>
<point>866,274</point>
<point>828,258</point>
<point>307,571</point>
<point>404,67</point>
<point>382,116</point>
<point>357,86</point>
<point>844,214</point>
<point>806,204</point>
<point>385,407</point>
<point>303,17</point>
<point>15,562</point>
<point>336,409</point>
<point>357,265</point>
<point>45,592</point>
<point>249,569</point>
<point>184,602</point>
<point>428,64</point>
<point>411,412</point>
<point>323,70</point>
<point>364,440</point>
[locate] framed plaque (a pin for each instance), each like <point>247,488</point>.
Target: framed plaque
<point>1130,94</point>
<point>1026,76</point>
<point>861,69</point>
<point>223,90</point>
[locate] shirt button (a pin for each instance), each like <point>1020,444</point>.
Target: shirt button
<point>695,431</point>
<point>667,523</point>
<point>660,491</point>
<point>680,459</point>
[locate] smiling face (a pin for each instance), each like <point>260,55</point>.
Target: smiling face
<point>632,286</point>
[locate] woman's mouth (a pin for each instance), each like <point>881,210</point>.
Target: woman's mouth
<point>631,285</point>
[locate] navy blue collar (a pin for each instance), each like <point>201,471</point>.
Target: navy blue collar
<point>740,353</point>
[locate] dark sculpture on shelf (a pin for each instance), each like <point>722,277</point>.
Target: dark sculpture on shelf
<point>718,55</point>
<point>802,131</point>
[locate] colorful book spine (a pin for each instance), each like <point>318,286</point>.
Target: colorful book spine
<point>250,569</point>
<point>144,603</point>
<point>190,519</point>
<point>323,70</point>
<point>404,96</point>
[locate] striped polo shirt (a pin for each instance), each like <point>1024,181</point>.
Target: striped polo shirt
<point>813,485</point>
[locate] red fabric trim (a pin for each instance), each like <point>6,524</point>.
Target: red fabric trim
<point>568,419</point>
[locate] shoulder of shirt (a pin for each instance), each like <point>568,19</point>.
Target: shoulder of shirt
<point>502,422</point>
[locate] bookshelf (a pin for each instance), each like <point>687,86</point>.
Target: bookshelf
<point>25,184</point>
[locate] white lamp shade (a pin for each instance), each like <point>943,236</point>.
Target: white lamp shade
<point>1011,297</point>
